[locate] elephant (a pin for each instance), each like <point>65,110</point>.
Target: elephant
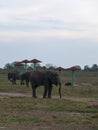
<point>13,76</point>
<point>25,77</point>
<point>47,79</point>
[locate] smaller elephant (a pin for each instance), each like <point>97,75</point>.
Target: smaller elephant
<point>47,79</point>
<point>25,77</point>
<point>13,76</point>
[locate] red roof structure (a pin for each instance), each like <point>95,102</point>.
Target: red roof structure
<point>25,61</point>
<point>60,68</point>
<point>34,61</point>
<point>18,64</point>
<point>25,64</point>
<point>73,68</point>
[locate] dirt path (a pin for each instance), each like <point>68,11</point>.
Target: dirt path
<point>90,101</point>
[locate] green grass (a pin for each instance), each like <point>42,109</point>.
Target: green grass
<point>79,91</point>
<point>19,119</point>
<point>28,113</point>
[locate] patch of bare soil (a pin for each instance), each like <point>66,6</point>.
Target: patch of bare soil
<point>90,101</point>
<point>53,127</point>
<point>49,125</point>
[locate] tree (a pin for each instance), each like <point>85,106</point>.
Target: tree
<point>8,66</point>
<point>94,67</point>
<point>50,66</point>
<point>86,68</point>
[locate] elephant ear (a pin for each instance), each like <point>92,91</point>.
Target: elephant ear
<point>52,77</point>
<point>48,77</point>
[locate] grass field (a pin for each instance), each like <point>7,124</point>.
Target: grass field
<point>26,113</point>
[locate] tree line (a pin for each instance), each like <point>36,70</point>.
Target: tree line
<point>94,68</point>
<point>11,66</point>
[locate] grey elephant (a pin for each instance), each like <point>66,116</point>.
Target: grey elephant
<point>14,76</point>
<point>47,79</point>
<point>25,78</point>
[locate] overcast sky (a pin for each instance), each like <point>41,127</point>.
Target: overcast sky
<point>59,32</point>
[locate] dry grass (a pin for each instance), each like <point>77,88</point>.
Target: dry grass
<point>45,114</point>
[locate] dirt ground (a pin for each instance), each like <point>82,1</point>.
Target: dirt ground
<point>53,126</point>
<point>90,101</point>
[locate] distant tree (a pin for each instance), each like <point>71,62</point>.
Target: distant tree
<point>94,67</point>
<point>86,68</point>
<point>8,66</point>
<point>12,67</point>
<point>37,66</point>
<point>77,66</point>
<point>50,66</point>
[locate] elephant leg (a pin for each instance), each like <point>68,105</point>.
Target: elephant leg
<point>15,81</point>
<point>34,92</point>
<point>49,91</point>
<point>45,92</point>
<point>27,83</point>
<point>21,82</point>
<point>12,81</point>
